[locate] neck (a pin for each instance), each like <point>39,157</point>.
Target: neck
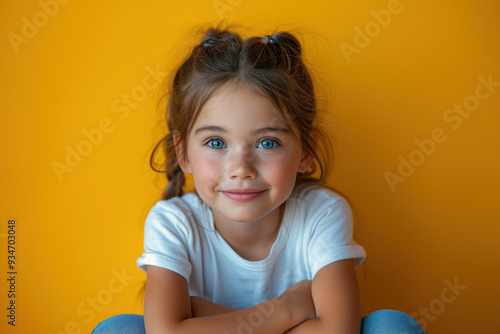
<point>251,240</point>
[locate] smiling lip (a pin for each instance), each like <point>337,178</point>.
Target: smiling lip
<point>242,195</point>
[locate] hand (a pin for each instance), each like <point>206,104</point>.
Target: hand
<point>299,298</point>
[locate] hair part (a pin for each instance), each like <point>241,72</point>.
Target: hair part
<point>272,66</point>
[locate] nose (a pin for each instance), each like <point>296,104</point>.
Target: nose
<point>241,166</point>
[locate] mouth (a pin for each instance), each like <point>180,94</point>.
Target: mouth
<point>242,195</point>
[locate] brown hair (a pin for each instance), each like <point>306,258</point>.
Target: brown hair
<point>272,66</point>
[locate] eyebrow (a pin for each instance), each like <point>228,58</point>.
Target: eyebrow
<point>210,128</point>
<point>213,128</point>
<point>269,129</point>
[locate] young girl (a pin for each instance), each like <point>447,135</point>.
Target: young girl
<point>261,246</point>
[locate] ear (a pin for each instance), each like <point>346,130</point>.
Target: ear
<point>305,161</point>
<point>179,153</point>
<point>307,156</point>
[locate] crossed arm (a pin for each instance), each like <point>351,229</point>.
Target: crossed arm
<point>328,304</point>
<point>336,299</point>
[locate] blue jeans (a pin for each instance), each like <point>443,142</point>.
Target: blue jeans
<point>378,322</point>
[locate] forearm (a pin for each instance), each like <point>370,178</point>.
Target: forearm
<point>203,308</point>
<point>167,309</point>
<point>318,326</point>
<point>272,316</point>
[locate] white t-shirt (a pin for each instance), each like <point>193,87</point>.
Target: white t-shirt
<point>316,230</point>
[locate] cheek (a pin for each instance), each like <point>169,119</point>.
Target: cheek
<point>280,168</point>
<point>206,172</point>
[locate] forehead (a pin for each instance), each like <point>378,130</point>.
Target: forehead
<point>232,104</point>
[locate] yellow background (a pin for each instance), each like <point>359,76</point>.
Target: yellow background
<point>75,235</point>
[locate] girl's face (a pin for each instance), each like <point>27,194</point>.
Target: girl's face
<point>243,160</point>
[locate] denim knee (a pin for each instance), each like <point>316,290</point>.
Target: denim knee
<point>390,322</point>
<point>121,324</point>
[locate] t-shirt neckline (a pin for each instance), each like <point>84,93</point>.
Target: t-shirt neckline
<point>229,251</point>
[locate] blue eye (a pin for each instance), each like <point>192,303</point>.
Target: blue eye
<point>216,144</point>
<point>268,144</point>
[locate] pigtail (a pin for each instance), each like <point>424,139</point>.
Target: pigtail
<point>217,36</point>
<point>173,172</point>
<point>175,175</point>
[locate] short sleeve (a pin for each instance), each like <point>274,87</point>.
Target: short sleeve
<point>332,235</point>
<point>166,236</point>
